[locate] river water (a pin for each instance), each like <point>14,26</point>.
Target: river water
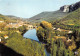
<point>31,34</point>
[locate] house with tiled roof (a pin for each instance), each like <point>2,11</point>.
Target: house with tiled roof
<point>5,36</point>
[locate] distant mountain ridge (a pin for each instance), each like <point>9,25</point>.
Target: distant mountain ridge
<point>8,19</point>
<point>48,16</point>
<point>53,15</point>
<point>13,17</point>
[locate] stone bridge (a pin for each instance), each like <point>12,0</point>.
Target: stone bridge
<point>31,27</point>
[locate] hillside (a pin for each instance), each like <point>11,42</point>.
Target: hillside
<point>54,14</point>
<point>7,19</point>
<point>72,18</point>
<point>48,16</point>
<point>13,17</point>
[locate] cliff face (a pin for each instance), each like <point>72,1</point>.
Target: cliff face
<point>70,8</point>
<point>65,8</point>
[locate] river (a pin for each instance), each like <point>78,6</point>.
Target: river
<point>31,34</point>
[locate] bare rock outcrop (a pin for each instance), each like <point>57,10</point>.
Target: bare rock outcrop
<point>70,8</point>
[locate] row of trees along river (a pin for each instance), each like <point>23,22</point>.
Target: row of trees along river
<point>56,43</point>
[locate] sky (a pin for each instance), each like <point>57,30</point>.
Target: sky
<point>29,8</point>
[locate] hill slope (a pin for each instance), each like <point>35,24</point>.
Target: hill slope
<point>48,16</point>
<point>72,18</point>
<point>6,19</point>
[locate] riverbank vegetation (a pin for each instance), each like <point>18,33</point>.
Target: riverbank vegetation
<point>59,42</point>
<point>26,47</point>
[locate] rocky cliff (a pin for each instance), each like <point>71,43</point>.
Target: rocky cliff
<point>70,8</point>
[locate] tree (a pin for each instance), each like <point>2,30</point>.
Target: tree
<point>44,31</point>
<point>25,47</point>
<point>71,53</point>
<point>73,46</point>
<point>21,28</point>
<point>78,52</point>
<point>66,53</point>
